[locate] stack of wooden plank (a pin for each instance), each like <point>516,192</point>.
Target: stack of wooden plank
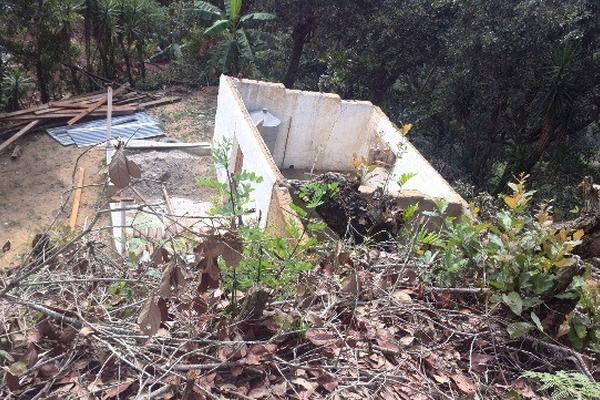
<point>74,109</point>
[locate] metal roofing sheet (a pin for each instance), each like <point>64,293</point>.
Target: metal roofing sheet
<point>136,126</point>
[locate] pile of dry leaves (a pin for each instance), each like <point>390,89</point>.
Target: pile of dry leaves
<point>79,323</point>
<point>87,326</point>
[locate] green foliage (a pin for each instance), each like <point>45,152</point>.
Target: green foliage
<point>269,259</point>
<point>564,385</point>
<point>274,262</point>
<point>315,194</point>
<point>583,325</point>
<point>15,87</point>
<point>405,177</point>
<point>519,255</point>
<point>234,194</point>
<point>234,53</point>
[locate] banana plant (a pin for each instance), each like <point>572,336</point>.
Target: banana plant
<point>234,53</point>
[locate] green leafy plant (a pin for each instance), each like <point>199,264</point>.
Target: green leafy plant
<point>517,253</point>
<point>565,385</point>
<point>583,325</point>
<point>15,86</point>
<point>234,193</point>
<point>269,259</point>
<point>234,53</point>
<point>405,177</point>
<point>315,194</point>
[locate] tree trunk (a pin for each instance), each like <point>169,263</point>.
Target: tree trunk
<point>299,39</point>
<point>87,30</point>
<point>527,166</point>
<point>75,79</point>
<point>141,59</point>
<point>127,57</point>
<point>41,72</point>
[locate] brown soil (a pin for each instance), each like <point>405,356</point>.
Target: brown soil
<point>34,186</point>
<point>192,118</point>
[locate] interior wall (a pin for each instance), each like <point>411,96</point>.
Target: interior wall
<point>317,129</point>
<point>232,122</point>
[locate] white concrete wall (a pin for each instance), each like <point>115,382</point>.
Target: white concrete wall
<point>232,121</point>
<point>409,160</point>
<point>317,129</point>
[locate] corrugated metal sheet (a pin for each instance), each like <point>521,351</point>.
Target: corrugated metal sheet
<point>136,126</point>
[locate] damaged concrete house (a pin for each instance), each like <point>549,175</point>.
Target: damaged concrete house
<point>284,135</point>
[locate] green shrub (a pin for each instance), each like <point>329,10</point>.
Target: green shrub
<point>268,259</point>
<point>517,253</point>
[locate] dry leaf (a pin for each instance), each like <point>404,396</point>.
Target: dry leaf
<point>464,383</point>
<point>159,256</point>
<point>407,340</point>
<point>402,295</point>
<point>134,169</point>
<point>524,389</point>
<point>442,379</point>
<point>328,382</point>
<point>259,392</point>
<point>6,246</point>
<point>258,353</point>
<point>86,331</point>
<point>172,278</point>
<point>227,246</point>
<point>351,284</point>
<point>118,170</point>
<point>309,386</point>
<point>116,390</point>
<point>320,338</point>
<point>150,317</point>
<point>388,345</point>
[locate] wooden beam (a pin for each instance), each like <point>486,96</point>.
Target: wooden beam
<point>109,110</point>
<point>77,198</point>
<point>48,110</point>
<point>167,200</point>
<point>166,100</point>
<point>21,112</point>
<point>67,114</point>
<point>201,148</point>
<point>17,135</point>
<point>96,105</point>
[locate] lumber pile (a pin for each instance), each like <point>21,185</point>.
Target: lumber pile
<point>75,109</point>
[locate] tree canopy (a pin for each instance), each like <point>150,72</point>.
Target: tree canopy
<point>493,88</point>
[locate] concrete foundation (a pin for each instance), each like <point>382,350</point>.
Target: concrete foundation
<point>318,131</point>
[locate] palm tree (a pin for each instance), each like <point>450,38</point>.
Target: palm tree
<point>552,111</point>
<point>15,87</point>
<point>68,14</point>
<point>137,22</point>
<point>234,54</point>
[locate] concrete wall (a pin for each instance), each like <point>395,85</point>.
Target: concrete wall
<point>233,122</point>
<point>409,160</point>
<point>318,129</point>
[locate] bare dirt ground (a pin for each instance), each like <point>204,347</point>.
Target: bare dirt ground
<point>192,119</point>
<point>33,187</point>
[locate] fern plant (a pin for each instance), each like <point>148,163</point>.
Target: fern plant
<point>564,385</point>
